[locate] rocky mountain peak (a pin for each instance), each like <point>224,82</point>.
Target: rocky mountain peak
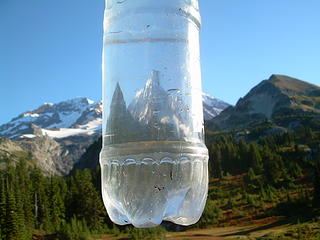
<point>294,86</point>
<point>277,96</point>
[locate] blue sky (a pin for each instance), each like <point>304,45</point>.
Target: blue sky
<point>50,50</point>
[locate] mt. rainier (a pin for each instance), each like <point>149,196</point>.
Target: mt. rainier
<point>71,117</point>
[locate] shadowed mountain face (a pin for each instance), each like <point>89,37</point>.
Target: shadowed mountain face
<point>120,125</point>
<point>277,97</point>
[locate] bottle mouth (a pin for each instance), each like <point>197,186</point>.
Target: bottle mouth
<point>120,3</point>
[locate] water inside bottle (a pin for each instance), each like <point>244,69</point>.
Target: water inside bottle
<point>146,188</point>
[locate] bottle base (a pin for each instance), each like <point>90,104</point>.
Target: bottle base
<point>144,191</point>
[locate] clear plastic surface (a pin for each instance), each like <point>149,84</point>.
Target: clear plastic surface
<point>154,161</point>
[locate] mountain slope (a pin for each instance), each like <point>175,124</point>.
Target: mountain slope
<point>277,97</point>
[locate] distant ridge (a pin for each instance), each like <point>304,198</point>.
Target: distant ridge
<point>279,96</point>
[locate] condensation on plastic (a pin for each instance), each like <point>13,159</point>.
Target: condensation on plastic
<point>154,161</point>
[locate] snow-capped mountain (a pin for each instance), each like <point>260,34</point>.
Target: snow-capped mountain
<point>71,117</point>
<point>56,134</point>
<point>212,106</point>
<point>80,116</point>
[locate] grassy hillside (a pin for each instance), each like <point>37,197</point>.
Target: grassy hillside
<point>238,210</point>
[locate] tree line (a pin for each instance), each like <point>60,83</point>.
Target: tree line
<point>31,202</point>
<point>71,207</point>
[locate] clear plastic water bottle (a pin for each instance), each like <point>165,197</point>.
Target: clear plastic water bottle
<point>154,161</point>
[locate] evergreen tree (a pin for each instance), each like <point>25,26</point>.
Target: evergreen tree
<point>273,166</point>
<point>84,201</point>
<point>25,186</point>
<point>316,187</point>
<point>57,194</point>
<point>244,155</point>
<point>256,160</point>
<point>294,169</point>
<point>2,206</point>
<point>211,160</point>
<point>229,157</point>
<point>40,200</point>
<point>23,228</point>
<point>11,221</point>
<point>251,175</point>
<point>217,162</point>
